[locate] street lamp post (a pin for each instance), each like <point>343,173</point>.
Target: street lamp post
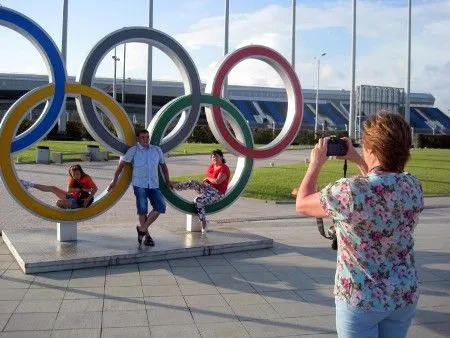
<point>317,94</point>
<point>115,58</point>
<point>123,75</point>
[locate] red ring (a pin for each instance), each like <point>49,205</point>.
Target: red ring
<point>222,72</point>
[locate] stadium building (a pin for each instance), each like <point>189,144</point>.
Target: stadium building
<point>261,106</point>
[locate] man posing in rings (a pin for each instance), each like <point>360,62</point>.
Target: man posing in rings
<point>145,160</point>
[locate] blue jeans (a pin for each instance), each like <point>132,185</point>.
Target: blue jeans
<point>155,197</point>
<point>355,323</point>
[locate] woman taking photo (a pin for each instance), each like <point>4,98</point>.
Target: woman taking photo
<point>376,284</point>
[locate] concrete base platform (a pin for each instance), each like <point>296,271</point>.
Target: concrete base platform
<point>39,251</point>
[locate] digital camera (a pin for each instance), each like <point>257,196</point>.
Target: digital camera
<point>336,146</point>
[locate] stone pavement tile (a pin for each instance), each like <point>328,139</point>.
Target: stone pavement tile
<point>219,269</point>
<point>26,334</point>
<point>436,314</point>
<point>164,316</point>
<point>123,281</point>
<point>212,260</point>
<point>31,321</point>
<point>39,305</point>
<point>158,280</point>
<point>249,267</point>
<point>316,325</point>
<point>8,306</point>
<point>135,332</point>
<point>44,294</point>
<point>280,296</point>
<point>81,305</point>
<point>272,286</point>
<point>237,256</point>
<point>428,300</point>
<point>184,262</point>
<point>50,279</point>
<point>255,312</point>
<point>14,267</point>
<point>429,330</point>
<point>200,301</point>
<point>198,289</point>
<point>173,302</point>
<point>260,276</point>
<point>161,290</point>
<point>123,291</point>
<point>216,314</point>
<point>237,287</point>
<point>174,331</point>
<point>78,320</point>
<point>6,258</point>
<point>192,275</point>
<point>321,296</point>
<point>4,317</point>
<point>12,294</point>
<point>124,304</point>
<point>127,270</point>
<point>155,268</point>
<point>89,273</point>
<point>5,264</point>
<point>8,282</point>
<point>295,309</point>
<point>244,299</point>
<point>76,333</point>
<point>225,330</point>
<point>226,277</point>
<point>81,282</point>
<point>84,293</point>
<point>124,318</point>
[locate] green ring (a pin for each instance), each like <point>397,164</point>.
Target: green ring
<point>167,114</point>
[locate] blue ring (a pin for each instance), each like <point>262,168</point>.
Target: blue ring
<point>34,33</point>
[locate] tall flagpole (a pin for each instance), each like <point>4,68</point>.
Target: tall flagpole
<point>293,35</point>
<point>62,119</point>
<point>225,44</point>
<point>351,119</point>
<point>148,89</point>
<point>408,67</point>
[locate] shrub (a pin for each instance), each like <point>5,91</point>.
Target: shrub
<point>201,134</point>
<point>433,141</point>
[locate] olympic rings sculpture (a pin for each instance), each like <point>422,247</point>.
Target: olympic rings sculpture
<point>221,114</point>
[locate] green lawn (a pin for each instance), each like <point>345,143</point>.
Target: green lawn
<point>432,166</point>
<point>29,155</point>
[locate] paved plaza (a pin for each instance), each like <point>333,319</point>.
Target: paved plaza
<point>277,292</point>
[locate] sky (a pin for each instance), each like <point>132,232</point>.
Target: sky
<point>321,27</point>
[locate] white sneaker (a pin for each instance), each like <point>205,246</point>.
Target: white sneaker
<point>27,184</point>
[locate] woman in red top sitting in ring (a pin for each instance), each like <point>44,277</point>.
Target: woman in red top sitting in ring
<point>80,189</point>
<point>212,188</point>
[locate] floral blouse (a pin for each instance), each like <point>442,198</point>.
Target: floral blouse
<point>375,217</point>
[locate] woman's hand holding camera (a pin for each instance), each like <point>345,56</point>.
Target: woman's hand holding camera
<point>319,153</point>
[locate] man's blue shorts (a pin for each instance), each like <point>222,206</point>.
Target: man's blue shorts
<point>155,197</point>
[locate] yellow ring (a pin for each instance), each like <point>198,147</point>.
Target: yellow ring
<point>8,130</point>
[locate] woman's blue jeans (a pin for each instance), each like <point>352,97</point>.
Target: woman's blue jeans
<point>355,323</point>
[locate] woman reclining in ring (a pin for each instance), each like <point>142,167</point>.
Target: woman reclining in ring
<point>80,189</point>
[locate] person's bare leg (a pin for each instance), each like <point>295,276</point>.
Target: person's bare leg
<point>61,194</point>
<point>151,217</point>
<point>142,219</point>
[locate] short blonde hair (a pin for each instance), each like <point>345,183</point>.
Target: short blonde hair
<point>388,136</point>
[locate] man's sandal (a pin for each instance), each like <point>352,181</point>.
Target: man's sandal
<point>141,234</point>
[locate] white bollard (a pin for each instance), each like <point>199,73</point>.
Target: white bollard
<point>66,231</point>
<point>193,223</point>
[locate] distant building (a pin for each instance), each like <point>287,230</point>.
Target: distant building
<point>260,106</point>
